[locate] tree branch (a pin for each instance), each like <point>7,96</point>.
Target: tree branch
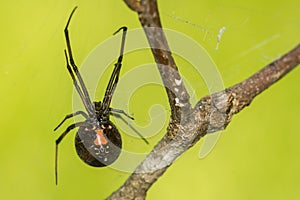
<point>223,105</point>
<point>134,5</point>
<point>187,125</point>
<point>150,21</point>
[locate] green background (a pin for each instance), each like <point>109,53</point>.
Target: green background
<point>257,156</point>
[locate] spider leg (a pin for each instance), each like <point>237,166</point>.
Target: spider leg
<point>114,76</point>
<point>120,112</point>
<point>70,116</point>
<point>72,126</point>
<point>84,100</point>
<point>136,131</point>
<point>124,28</point>
<point>85,96</point>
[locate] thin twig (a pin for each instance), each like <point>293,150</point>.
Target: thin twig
<point>150,21</point>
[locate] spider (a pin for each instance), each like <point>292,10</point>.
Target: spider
<point>98,142</point>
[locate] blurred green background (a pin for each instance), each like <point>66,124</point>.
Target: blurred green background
<point>257,156</point>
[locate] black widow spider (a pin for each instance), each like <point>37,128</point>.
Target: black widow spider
<point>98,142</point>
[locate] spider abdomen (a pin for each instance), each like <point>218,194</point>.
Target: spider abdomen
<point>98,148</point>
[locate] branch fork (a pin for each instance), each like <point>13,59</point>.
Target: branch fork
<point>187,125</point>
